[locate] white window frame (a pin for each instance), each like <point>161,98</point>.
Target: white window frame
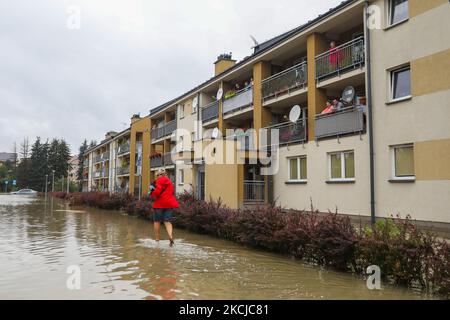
<point>300,179</point>
<point>342,178</point>
<point>389,15</point>
<point>392,72</point>
<point>393,168</point>
<point>181,174</point>
<point>181,110</point>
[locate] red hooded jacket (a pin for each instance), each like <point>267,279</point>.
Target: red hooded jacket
<point>164,194</point>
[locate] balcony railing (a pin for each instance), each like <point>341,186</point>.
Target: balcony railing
<point>240,100</point>
<point>105,173</point>
<point>121,171</point>
<point>163,131</point>
<point>285,82</point>
<point>210,112</point>
<point>246,140</point>
<point>102,157</point>
<point>347,121</point>
<point>288,132</point>
<point>97,174</point>
<point>161,160</point>
<point>85,163</point>
<point>123,148</point>
<point>341,59</point>
<point>254,191</point>
<point>168,159</point>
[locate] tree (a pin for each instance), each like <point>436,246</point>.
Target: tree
<point>39,165</point>
<point>82,149</point>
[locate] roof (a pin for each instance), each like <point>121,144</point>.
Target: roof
<point>258,50</point>
<point>103,142</point>
<point>5,156</point>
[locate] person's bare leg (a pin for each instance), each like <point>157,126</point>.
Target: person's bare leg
<point>169,229</point>
<point>157,227</point>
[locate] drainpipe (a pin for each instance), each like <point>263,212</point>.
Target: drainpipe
<point>369,114</point>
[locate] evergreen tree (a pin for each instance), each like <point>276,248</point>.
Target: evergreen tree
<point>38,165</point>
<point>82,149</point>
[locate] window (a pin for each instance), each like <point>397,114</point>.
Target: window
<point>181,174</point>
<point>181,110</point>
<point>403,162</point>
<point>342,166</point>
<point>401,83</point>
<point>297,169</point>
<point>398,11</point>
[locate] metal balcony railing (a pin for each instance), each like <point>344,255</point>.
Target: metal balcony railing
<point>210,112</point>
<point>285,82</point>
<point>242,99</point>
<point>341,59</point>
<point>97,174</point>
<point>85,163</point>
<point>245,140</point>
<point>163,131</point>
<point>348,121</point>
<point>105,173</point>
<point>124,148</point>
<point>156,161</point>
<point>168,159</point>
<point>288,132</point>
<point>102,157</point>
<point>254,191</point>
<point>121,171</point>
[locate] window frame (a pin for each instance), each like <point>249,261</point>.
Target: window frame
<point>394,176</point>
<point>392,73</point>
<point>391,24</point>
<point>181,175</point>
<point>181,111</point>
<point>298,161</point>
<point>343,177</point>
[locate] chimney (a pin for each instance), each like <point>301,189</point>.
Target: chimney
<point>135,118</point>
<point>223,63</point>
<point>110,134</point>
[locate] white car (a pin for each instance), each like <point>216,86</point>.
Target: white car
<point>25,192</point>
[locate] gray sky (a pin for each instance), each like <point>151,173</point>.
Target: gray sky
<point>127,57</point>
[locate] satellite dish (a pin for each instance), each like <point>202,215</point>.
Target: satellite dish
<point>195,103</point>
<point>219,94</point>
<point>295,113</point>
<point>348,94</point>
<point>215,133</point>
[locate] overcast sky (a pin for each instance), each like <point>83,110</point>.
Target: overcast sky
<point>67,80</point>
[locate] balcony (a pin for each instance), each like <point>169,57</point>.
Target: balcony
<point>105,173</point>
<point>210,112</point>
<point>86,163</point>
<point>239,101</point>
<point>344,58</point>
<point>288,133</point>
<point>254,192</point>
<point>285,82</point>
<point>97,175</point>
<point>157,161</point>
<point>163,131</point>
<point>246,140</point>
<point>123,148</point>
<point>348,121</point>
<point>123,171</point>
<point>102,157</point>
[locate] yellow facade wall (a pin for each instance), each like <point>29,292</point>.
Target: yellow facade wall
<point>432,160</point>
<point>261,116</point>
<point>417,7</point>
<point>431,73</point>
<point>221,182</point>
<point>140,126</point>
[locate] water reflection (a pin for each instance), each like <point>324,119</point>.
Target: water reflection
<point>119,260</point>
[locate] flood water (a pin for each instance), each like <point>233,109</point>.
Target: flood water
<point>118,259</point>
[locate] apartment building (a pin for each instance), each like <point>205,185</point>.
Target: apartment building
<point>381,150</point>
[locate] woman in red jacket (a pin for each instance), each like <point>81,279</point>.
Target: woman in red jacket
<point>163,192</point>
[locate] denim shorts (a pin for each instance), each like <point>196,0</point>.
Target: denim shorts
<point>162,215</point>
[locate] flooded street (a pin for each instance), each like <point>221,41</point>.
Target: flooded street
<point>119,260</point>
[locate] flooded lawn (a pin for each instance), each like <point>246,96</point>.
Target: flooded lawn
<point>118,259</point>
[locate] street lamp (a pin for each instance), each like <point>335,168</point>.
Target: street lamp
<point>53,180</point>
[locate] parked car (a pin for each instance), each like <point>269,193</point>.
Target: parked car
<point>25,192</point>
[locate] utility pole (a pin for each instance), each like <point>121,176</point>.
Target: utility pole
<point>53,180</point>
<point>68,182</point>
<point>46,184</point>
<point>62,183</point>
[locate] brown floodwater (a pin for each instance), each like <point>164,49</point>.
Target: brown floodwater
<point>117,259</point>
